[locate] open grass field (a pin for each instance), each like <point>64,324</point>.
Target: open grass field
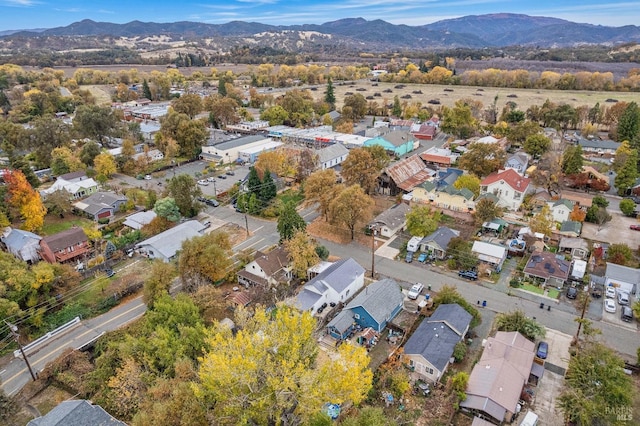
<point>524,98</point>
<point>54,225</point>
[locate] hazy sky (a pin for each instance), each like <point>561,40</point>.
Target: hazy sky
<point>26,14</point>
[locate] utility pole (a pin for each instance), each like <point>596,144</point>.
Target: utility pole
<point>373,251</point>
<point>586,299</point>
<point>14,332</point>
<point>246,223</point>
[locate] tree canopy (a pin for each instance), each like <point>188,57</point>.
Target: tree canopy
<point>482,159</point>
<point>269,373</point>
<point>422,220</point>
<point>518,321</point>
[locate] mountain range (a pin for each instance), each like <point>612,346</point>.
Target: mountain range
<point>477,31</point>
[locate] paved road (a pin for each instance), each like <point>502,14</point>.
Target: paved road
<point>15,375</point>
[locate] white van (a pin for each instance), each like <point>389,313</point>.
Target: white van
<point>531,419</point>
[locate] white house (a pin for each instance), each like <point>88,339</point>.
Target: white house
<point>331,156</point>
<point>492,254</point>
<point>335,284</point>
<point>166,245</point>
<point>508,186</point>
<point>560,210</point>
<point>392,220</point>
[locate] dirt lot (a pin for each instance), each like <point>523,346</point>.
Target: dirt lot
<point>616,231</point>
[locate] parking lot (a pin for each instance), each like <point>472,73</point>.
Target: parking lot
<point>614,317</point>
<point>616,231</point>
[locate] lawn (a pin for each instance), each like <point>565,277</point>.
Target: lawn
<point>53,225</point>
<point>291,196</point>
<point>532,288</point>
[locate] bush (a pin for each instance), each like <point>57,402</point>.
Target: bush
<point>459,351</point>
<point>104,220</point>
<point>514,283</point>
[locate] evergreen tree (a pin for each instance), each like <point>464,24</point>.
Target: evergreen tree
<point>290,222</point>
<point>629,125</point>
<point>572,161</point>
<point>222,86</point>
<point>254,183</point>
<point>397,108</point>
<point>627,174</point>
<point>268,190</point>
<point>329,95</point>
<point>146,91</point>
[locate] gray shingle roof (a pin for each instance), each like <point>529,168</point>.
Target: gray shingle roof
<point>452,314</point>
<point>441,236</point>
<point>18,238</point>
<point>76,413</point>
<point>393,216</point>
<point>379,299</point>
<point>331,152</point>
<point>170,241</point>
<point>64,239</point>
<point>434,341</point>
<point>337,276</point>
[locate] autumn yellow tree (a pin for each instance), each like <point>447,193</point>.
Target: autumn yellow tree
<point>268,373</point>
<point>105,166</point>
<point>24,201</point>
<point>351,207</point>
<point>318,188</point>
<point>204,260</point>
<point>302,253</point>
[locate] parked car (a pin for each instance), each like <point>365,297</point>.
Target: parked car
<point>543,350</point>
<point>147,177</point>
<point>211,179</point>
<point>626,314</point>
<point>203,182</point>
<point>409,257</point>
<point>572,293</point>
<point>415,291</point>
<point>623,298</point>
<point>635,227</point>
<point>322,307</point>
<point>423,257</point>
<point>610,306</point>
<point>222,177</point>
<point>596,292</point>
<point>109,272</point>
<point>470,275</point>
<point>229,173</point>
<point>610,292</point>
<point>206,223</point>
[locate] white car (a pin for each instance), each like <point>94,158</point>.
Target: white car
<point>203,182</point>
<point>415,291</point>
<point>610,292</point>
<point>610,306</point>
<point>623,298</point>
<point>211,179</point>
<point>147,177</point>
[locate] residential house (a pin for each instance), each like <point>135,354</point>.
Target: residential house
<point>331,156</point>
<point>77,184</point>
<point>65,246</point>
<point>518,162</point>
<point>165,245</point>
<point>493,254</point>
<point>502,142</point>
<point>508,186</point>
<point>560,209</point>
<point>76,413</point>
<point>101,205</point>
<point>139,219</point>
<point>150,155</point>
<point>403,176</point>
<point>623,278</point>
<point>398,142</point>
<point>577,247</point>
<point>596,146</point>
<point>392,220</point>
<point>447,197</point>
<point>570,228</point>
<point>496,225</point>
<point>430,348</point>
<point>439,157</point>
<point>335,284</point>
<point>589,178</point>
<point>266,269</point>
<point>375,306</point>
<point>436,244</point>
<point>496,381</point>
<point>578,270</point>
<point>426,131</point>
<point>548,268</point>
<point>24,245</point>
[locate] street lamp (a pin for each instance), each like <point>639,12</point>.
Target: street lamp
<point>14,332</point>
